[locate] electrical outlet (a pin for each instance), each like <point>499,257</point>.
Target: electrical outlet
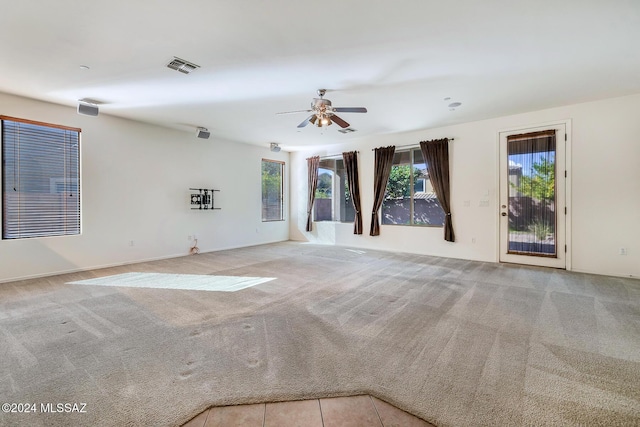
<point>189,237</point>
<point>473,240</point>
<point>130,242</point>
<point>623,251</point>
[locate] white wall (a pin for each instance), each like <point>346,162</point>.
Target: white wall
<point>135,181</point>
<point>604,207</point>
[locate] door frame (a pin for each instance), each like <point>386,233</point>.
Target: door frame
<point>567,194</point>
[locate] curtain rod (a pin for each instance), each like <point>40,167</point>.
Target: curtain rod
<point>333,155</point>
<point>413,145</point>
<point>373,149</point>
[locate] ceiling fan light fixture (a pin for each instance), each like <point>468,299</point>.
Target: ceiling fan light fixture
<point>323,113</point>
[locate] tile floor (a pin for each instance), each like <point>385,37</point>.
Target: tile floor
<point>352,411</point>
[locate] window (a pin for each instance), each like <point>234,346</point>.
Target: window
<point>409,198</point>
<point>40,179</point>
<point>272,190</point>
<point>333,201</point>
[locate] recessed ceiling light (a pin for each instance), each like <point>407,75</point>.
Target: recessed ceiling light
<point>455,104</point>
<point>84,67</point>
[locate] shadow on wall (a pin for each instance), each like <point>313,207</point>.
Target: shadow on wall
<point>426,211</point>
<point>39,257</point>
<point>322,211</point>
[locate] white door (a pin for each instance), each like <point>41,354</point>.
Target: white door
<point>533,196</point>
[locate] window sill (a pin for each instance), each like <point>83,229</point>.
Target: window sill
<point>415,225</point>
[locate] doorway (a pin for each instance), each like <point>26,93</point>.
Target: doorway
<point>533,194</point>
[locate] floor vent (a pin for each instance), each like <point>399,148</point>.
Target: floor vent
<point>181,65</point>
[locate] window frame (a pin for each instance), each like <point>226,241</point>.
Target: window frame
<point>335,189</point>
<point>59,230</point>
<point>412,183</point>
<point>282,203</point>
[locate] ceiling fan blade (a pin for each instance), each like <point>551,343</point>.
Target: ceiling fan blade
<point>293,112</point>
<point>339,121</point>
<point>306,121</point>
<point>350,109</point>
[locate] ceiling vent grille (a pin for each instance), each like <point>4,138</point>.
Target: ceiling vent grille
<point>181,65</point>
<point>346,130</point>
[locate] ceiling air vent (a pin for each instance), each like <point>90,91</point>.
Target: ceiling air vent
<point>181,65</point>
<point>346,130</point>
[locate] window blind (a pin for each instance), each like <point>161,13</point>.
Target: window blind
<point>40,179</point>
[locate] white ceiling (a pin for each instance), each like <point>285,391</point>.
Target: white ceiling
<point>400,59</point>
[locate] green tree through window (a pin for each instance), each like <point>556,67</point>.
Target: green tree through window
<point>272,190</point>
<point>409,196</point>
<point>540,184</point>
<point>333,201</point>
<point>325,184</point>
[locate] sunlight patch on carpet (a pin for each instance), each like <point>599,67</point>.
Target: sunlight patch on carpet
<point>194,282</point>
<point>355,251</point>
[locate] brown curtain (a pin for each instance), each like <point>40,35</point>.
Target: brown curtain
<point>351,164</point>
<point>383,162</point>
<point>436,155</point>
<point>312,184</point>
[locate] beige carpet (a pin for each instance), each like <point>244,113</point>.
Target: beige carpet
<point>457,343</point>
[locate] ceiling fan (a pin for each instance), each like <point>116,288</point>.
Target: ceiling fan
<point>324,112</point>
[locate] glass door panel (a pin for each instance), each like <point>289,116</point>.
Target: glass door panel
<point>532,196</point>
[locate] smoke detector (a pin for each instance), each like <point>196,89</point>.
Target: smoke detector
<point>181,65</point>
